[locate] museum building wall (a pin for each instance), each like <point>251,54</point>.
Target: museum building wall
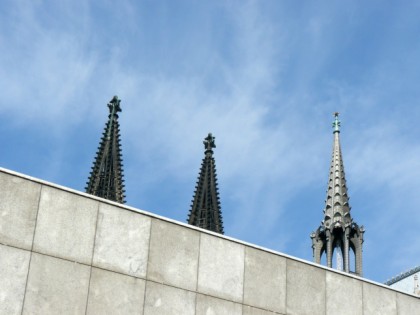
<point>66,252</point>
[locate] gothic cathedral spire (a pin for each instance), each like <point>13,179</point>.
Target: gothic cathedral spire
<point>205,210</point>
<point>338,233</point>
<point>106,177</point>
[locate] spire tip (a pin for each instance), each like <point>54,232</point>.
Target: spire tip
<point>114,105</point>
<point>336,123</point>
<point>209,143</point>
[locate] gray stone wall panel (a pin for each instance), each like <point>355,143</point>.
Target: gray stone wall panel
<point>56,286</point>
<point>209,305</point>
<point>18,210</point>
<point>14,264</point>
<point>122,241</point>
<point>173,255</point>
<point>161,299</point>
<point>378,301</point>
<point>407,305</point>
<point>249,310</point>
<point>265,280</point>
<point>305,289</point>
<point>221,268</point>
<point>344,295</point>
<point>112,293</point>
<point>66,225</point>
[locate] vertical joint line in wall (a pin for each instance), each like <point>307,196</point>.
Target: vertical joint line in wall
<point>91,259</point>
<point>325,293</point>
<point>198,261</point>
<point>36,218</point>
<point>96,231</point>
<point>285,293</point>
<point>195,302</point>
<point>32,248</point>
<point>396,303</point>
<point>147,264</point>
<point>144,295</point>
<point>243,278</point>
<point>148,248</point>
<point>363,300</point>
<point>198,270</point>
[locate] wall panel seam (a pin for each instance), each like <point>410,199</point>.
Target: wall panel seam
<point>325,294</point>
<point>243,277</point>
<point>91,258</point>
<point>198,270</point>
<point>285,295</point>
<point>363,299</point>
<point>32,247</point>
<point>147,265</point>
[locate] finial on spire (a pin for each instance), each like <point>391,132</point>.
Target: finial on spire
<point>209,143</point>
<point>336,123</point>
<point>114,105</point>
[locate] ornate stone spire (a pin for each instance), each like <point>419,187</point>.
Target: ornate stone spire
<point>106,177</point>
<point>338,231</point>
<point>205,210</point>
<point>337,206</point>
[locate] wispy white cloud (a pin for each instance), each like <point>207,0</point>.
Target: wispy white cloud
<point>46,67</point>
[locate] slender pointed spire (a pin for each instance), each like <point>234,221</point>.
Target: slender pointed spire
<point>106,177</point>
<point>205,209</point>
<point>338,232</point>
<point>337,203</point>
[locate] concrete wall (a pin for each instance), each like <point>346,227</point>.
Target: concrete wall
<point>65,252</point>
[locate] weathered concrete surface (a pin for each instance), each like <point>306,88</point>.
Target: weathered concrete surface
<point>56,286</point>
<point>162,299</point>
<point>14,265</point>
<point>173,256</point>
<point>122,241</point>
<point>377,301</point>
<point>248,310</point>
<point>407,305</point>
<point>112,293</point>
<point>18,210</point>
<point>305,289</point>
<point>207,305</point>
<point>221,268</point>
<point>344,295</point>
<point>65,226</point>
<point>265,280</point>
<point>92,256</point>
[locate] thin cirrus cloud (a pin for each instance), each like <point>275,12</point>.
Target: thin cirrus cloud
<point>264,77</point>
<point>45,67</point>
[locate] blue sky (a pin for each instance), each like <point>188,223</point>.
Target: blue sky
<point>263,76</point>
